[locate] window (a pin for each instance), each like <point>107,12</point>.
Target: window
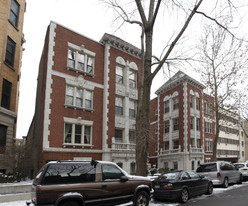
<point>166,127</point>
<point>175,165</point>
<point>77,134</point>
<point>119,75</point>
<point>10,52</point>
<point>81,62</point>
<point>175,124</point>
<point>167,106</point>
<point>197,124</point>
<point>191,101</point>
<point>166,145</point>
<point>208,145</point>
<point>192,121</point>
<point>175,103</point>
<point>14,13</point>
<point>192,142</point>
<point>118,135</point>
<point>175,144</point>
<point>111,172</point>
<point>120,164</point>
<point>208,108</point>
<point>132,168</point>
<point>192,166</point>
<point>77,97</point>
<point>6,94</point>
<point>131,137</point>
<point>118,106</point>
<point>3,137</point>
<point>132,79</point>
<point>70,173</point>
<point>197,103</point>
<point>132,106</point>
<point>208,127</point>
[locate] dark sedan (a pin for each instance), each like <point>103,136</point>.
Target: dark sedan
<point>181,185</point>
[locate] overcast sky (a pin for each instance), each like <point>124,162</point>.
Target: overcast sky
<point>89,18</point>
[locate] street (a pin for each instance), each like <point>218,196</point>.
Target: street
<point>234,195</point>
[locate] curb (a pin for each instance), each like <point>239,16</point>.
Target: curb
<point>15,197</point>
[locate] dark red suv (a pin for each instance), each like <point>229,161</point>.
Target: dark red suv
<point>75,183</point>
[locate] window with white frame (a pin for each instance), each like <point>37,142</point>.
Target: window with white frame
<point>175,103</point>
<point>208,108</point>
<point>78,97</point>
<point>77,134</point>
<point>80,61</point>
<point>175,144</point>
<point>175,124</point>
<point>191,101</point>
<point>118,135</point>
<point>197,103</point>
<point>132,79</point>
<point>197,124</point>
<point>131,136</point>
<point>132,108</point>
<point>132,168</point>
<point>119,78</point>
<point>192,122</point>
<point>208,145</point>
<point>118,106</point>
<point>167,106</point>
<point>166,127</point>
<point>166,145</point>
<point>208,127</point>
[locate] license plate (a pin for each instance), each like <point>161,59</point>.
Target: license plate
<point>157,186</point>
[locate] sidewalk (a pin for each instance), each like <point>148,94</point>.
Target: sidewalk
<point>15,191</point>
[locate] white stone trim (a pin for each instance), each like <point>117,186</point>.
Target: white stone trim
<point>79,120</point>
<point>81,49</point>
<point>50,63</point>
<point>55,149</point>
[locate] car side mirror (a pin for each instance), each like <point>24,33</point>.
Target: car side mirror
<point>124,178</point>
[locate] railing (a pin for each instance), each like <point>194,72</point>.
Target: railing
<point>196,150</point>
<point>123,146</point>
<point>170,151</point>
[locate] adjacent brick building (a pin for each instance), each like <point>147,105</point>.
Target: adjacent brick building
<point>11,41</point>
<point>183,123</point>
<point>86,100</point>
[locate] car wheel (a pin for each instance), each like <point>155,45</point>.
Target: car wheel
<point>240,179</point>
<point>69,203</point>
<point>184,196</point>
<point>210,188</point>
<point>141,199</point>
<point>225,183</point>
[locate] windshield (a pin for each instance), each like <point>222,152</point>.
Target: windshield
<point>169,176</point>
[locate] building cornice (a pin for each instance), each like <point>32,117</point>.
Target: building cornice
<point>120,44</point>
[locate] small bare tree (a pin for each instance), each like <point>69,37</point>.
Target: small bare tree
<point>223,64</point>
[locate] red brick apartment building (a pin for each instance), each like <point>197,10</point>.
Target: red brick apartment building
<point>182,124</point>
<point>86,100</point>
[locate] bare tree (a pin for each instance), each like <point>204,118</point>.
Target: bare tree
<point>144,14</point>
<point>223,64</point>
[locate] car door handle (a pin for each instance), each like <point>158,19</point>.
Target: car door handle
<point>104,186</point>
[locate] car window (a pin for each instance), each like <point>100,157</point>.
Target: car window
<point>193,175</point>
<point>111,172</point>
<point>70,173</point>
<point>185,176</point>
<point>239,166</point>
<point>226,166</point>
<point>207,168</point>
<point>169,176</point>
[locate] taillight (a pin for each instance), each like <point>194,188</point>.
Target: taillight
<point>244,169</point>
<point>37,192</point>
<point>169,187</point>
<point>218,175</point>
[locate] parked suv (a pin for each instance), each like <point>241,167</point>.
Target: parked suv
<point>220,173</point>
<point>75,183</point>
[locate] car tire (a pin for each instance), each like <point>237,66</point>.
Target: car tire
<point>210,188</point>
<point>184,196</point>
<point>142,199</point>
<point>70,203</point>
<point>225,183</point>
<point>240,179</point>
